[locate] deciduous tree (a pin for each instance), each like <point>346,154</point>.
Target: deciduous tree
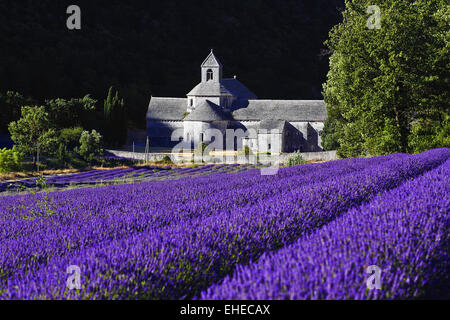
<point>386,85</point>
<point>32,133</point>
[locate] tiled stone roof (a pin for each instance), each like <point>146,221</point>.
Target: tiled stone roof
<point>166,108</point>
<point>289,110</point>
<point>207,111</point>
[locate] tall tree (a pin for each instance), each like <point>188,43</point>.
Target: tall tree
<point>115,119</point>
<point>384,82</point>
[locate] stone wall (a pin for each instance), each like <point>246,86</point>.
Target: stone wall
<point>312,135</point>
<point>316,156</point>
<point>282,158</point>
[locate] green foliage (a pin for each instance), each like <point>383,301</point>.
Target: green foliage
<point>388,141</point>
<point>74,112</point>
<point>9,160</point>
<point>90,145</point>
<point>245,151</point>
<point>10,104</point>
<point>61,155</point>
<point>115,120</point>
<point>296,159</point>
<point>68,146</point>
<point>330,134</point>
<point>428,134</point>
<point>41,183</point>
<point>76,162</point>
<point>32,131</point>
<point>200,148</point>
<point>66,158</point>
<point>45,206</point>
<point>388,87</point>
<point>166,160</point>
<point>185,114</point>
<point>70,137</point>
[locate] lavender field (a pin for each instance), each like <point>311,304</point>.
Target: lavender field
<point>308,232</point>
<point>118,175</point>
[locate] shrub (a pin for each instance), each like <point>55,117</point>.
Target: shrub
<point>90,145</point>
<point>70,137</point>
<point>66,158</point>
<point>166,159</point>
<point>296,159</point>
<point>9,160</point>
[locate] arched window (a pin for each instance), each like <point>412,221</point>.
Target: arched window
<point>209,74</point>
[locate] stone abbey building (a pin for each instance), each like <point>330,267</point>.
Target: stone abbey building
<point>225,103</point>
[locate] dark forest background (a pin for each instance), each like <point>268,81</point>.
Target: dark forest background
<point>146,48</point>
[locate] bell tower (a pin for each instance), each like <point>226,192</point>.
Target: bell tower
<point>211,69</point>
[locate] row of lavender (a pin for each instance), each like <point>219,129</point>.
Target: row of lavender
<point>403,232</point>
<point>126,175</point>
<point>173,239</point>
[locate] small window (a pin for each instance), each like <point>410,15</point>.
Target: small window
<point>209,75</point>
<point>190,102</point>
<point>201,136</point>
